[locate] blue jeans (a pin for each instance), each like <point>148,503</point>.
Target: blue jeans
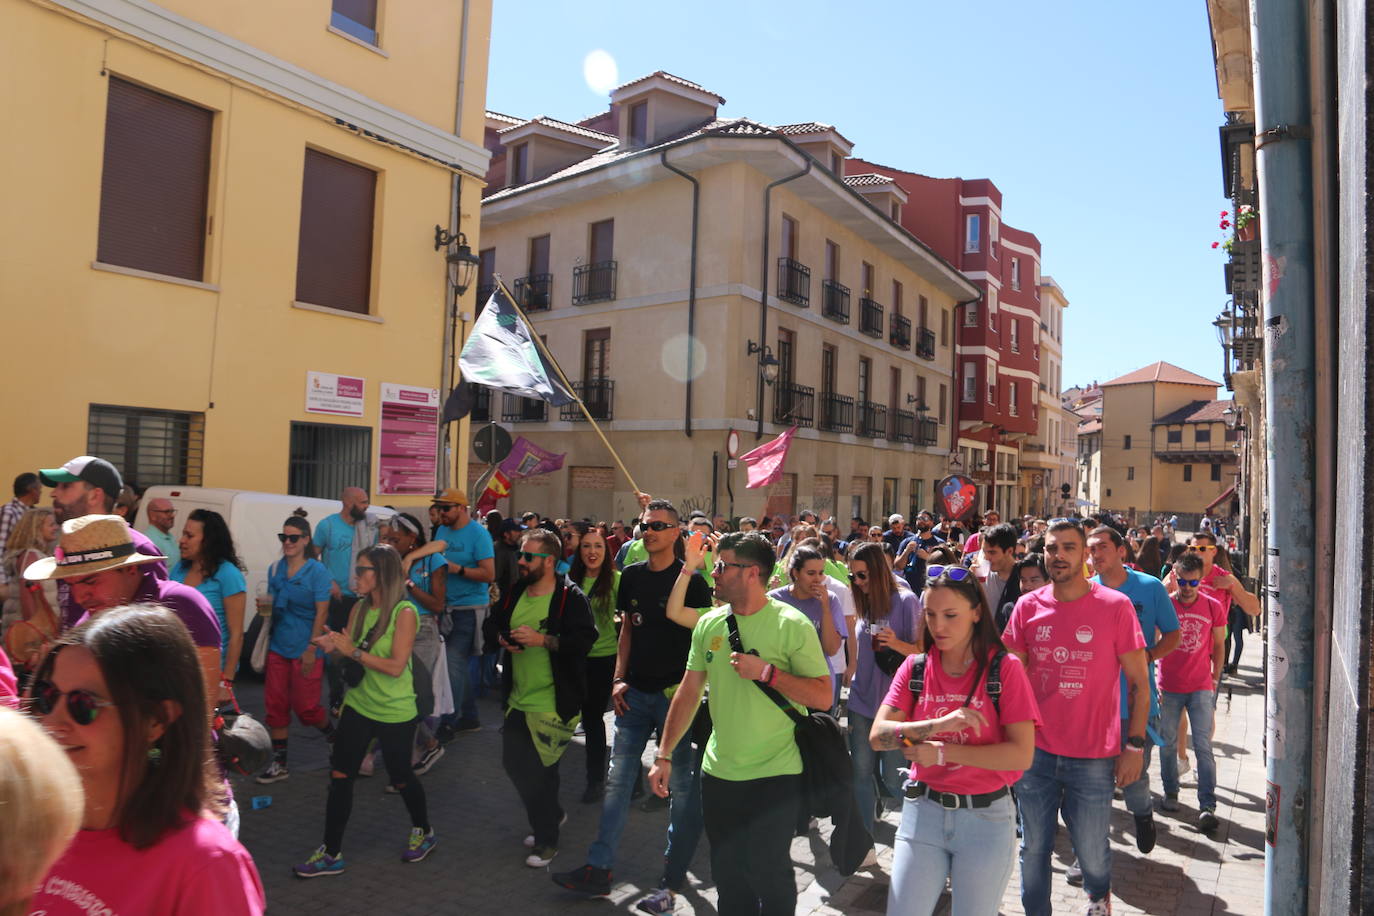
<point>1199,705</point>
<point>872,767</point>
<point>632,730</point>
<point>1137,794</point>
<point>1082,788</point>
<point>457,648</point>
<point>973,847</point>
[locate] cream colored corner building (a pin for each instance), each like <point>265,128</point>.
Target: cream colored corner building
<point>641,241</point>
<point>170,321</point>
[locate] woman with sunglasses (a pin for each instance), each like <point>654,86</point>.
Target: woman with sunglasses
<point>425,585</point>
<point>958,820</point>
<point>300,586</point>
<point>887,629</point>
<point>379,705</point>
<point>210,566</point>
<point>122,694</point>
<point>600,582</point>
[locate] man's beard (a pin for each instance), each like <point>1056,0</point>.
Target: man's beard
<point>531,575</point>
<point>357,513</point>
<point>65,512</point>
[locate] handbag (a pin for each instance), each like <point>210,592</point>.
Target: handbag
<point>242,743</point>
<point>827,773</point>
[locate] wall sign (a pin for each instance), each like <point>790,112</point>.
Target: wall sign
<point>339,395</point>
<point>410,440</point>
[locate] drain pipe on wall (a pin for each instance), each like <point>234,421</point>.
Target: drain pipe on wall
<point>763,285</point>
<point>448,459</point>
<point>691,289</point>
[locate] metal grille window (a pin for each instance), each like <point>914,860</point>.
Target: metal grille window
<point>326,458</point>
<point>334,254</point>
<point>150,447</point>
<point>155,182</point>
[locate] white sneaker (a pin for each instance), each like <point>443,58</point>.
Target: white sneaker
<point>541,856</point>
<point>1185,766</point>
<point>1101,907</point>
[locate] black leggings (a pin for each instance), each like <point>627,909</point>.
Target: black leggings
<point>351,739</point>
<point>600,672</point>
<point>1235,633</point>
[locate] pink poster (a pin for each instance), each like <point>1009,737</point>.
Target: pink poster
<point>410,440</point>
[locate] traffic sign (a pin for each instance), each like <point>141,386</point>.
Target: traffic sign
<point>491,444</point>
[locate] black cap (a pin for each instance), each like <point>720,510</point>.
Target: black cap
<point>95,471</point>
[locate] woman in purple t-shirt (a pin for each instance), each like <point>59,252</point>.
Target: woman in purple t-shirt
<point>886,632</point>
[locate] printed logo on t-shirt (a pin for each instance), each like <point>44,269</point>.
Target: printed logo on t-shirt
<point>1061,655</point>
<point>1191,629</point>
<point>1072,681</point>
<point>1084,634</point>
<point>1043,632</point>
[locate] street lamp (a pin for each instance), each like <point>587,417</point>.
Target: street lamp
<point>1225,324</point>
<point>462,263</point>
<point>768,363</point>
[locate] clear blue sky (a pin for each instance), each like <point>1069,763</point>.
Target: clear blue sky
<point>1097,121</point>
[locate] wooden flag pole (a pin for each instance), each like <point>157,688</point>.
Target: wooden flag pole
<point>559,369</point>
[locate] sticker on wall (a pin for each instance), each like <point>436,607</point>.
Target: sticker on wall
<point>338,395</point>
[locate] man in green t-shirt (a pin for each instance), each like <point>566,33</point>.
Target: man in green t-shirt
<point>751,785</point>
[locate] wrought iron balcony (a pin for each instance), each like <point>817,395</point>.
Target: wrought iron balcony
<point>925,343</point>
<point>927,431</point>
<point>599,396</point>
<point>593,283</point>
<point>793,404</point>
<point>903,426</point>
<point>481,404</point>
<point>899,332</point>
<point>515,409</point>
<point>870,318</point>
<point>835,301</point>
<point>872,420</point>
<point>535,292</point>
<point>837,412</point>
<point>794,282</point>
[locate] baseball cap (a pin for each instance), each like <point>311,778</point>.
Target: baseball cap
<point>95,471</point>
<point>511,524</point>
<point>894,518</point>
<point>453,496</point>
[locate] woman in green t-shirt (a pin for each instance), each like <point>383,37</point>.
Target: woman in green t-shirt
<point>380,705</point>
<point>594,573</point>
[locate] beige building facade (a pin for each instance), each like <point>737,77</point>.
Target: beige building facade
<point>644,262</point>
<point>1048,462</point>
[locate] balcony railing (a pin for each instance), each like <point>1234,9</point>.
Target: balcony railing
<point>903,426</point>
<point>481,404</point>
<point>899,332</point>
<point>837,412</point>
<point>794,282</point>
<point>870,318</point>
<point>593,283</point>
<point>535,292</point>
<point>927,431</point>
<point>794,405</point>
<point>599,396</point>
<point>925,343</point>
<point>835,301</point>
<point>515,409</point>
<point>872,420</point>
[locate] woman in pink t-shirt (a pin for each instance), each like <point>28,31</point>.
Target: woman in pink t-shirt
<point>122,694</point>
<point>959,821</point>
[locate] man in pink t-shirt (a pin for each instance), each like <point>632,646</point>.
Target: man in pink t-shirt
<point>1076,638</point>
<point>1188,679</point>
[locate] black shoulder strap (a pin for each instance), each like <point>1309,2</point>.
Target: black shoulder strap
<point>994,685</point>
<point>917,684</point>
<point>738,646</point>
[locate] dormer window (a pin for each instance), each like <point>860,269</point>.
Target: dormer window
<point>519,164</point>
<point>836,163</point>
<point>660,105</point>
<point>639,124</point>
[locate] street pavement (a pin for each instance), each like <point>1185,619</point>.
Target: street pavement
<point>478,866</point>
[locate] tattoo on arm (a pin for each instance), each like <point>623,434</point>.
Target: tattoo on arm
<point>891,738</point>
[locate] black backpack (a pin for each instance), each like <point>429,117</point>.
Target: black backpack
<point>917,684</point>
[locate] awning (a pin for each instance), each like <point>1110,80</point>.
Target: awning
<point>1226,494</point>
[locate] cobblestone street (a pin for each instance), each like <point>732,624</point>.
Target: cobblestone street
<point>479,867</point>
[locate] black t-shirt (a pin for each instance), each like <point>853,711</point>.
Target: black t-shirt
<point>658,647</point>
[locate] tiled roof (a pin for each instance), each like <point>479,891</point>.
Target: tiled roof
<point>670,78</point>
<point>806,127</point>
<point>1196,412</point>
<point>565,127</point>
<point>509,119</point>
<point>1161,372</point>
<point>868,180</point>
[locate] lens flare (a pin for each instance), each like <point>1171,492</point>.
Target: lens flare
<point>674,357</point>
<point>600,72</point>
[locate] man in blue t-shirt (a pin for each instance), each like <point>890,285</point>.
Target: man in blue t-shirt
<point>1155,612</point>
<point>340,538</point>
<point>467,549</point>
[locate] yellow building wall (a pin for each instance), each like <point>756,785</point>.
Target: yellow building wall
<point>1127,410</point>
<point>233,347</point>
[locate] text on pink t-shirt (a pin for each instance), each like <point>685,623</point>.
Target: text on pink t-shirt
<point>1073,651</point>
<point>943,694</point>
<point>1189,667</point>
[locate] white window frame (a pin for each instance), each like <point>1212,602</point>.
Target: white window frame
<point>969,395</point>
<point>1015,327</point>
<point>1015,273</point>
<point>994,233</point>
<point>1013,406</point>
<point>973,233</point>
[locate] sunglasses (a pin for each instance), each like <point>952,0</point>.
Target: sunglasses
<point>359,570</point>
<point>529,556</point>
<point>289,538</point>
<point>858,577</point>
<point>952,573</point>
<point>660,526</point>
<point>82,705</point>
<point>1204,548</point>
<point>721,564</point>
<point>1188,583</point>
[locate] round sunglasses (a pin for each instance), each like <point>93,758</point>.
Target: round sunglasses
<point>82,705</point>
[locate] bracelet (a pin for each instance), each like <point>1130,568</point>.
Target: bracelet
<point>619,680</point>
<point>939,752</point>
<point>1134,750</point>
<point>658,757</point>
<point>766,675</point>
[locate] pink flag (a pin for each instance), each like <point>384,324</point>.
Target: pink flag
<point>765,462</point>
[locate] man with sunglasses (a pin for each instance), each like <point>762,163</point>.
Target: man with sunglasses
<point>650,662</point>
<point>1188,680</point>
<point>1217,583</point>
<point>1076,638</point>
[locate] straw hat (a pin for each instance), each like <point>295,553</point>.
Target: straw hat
<point>90,544</point>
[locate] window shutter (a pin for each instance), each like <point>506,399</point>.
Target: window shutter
<point>155,182</point>
<point>334,262</point>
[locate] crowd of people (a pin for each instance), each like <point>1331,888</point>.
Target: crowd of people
<point>991,676</point>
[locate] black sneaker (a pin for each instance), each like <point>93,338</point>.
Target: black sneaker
<point>594,793</point>
<point>445,734</point>
<point>1207,821</point>
<point>466,725</point>
<point>1145,832</point>
<point>589,880</point>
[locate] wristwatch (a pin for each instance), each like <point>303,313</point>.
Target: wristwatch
<point>1136,742</point>
<point>357,655</point>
